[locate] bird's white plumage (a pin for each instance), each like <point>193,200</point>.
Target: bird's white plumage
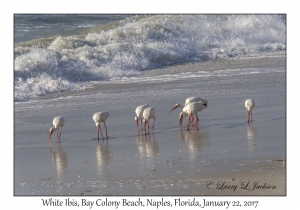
<point>195,99</point>
<point>185,107</point>
<point>190,100</point>
<point>149,113</point>
<point>183,114</point>
<point>140,109</point>
<point>100,117</point>
<point>139,114</point>
<point>249,104</point>
<point>58,122</point>
<point>193,108</point>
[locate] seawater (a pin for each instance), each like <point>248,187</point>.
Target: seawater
<point>60,53</point>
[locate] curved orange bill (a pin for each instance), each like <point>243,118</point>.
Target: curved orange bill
<point>180,121</point>
<point>172,109</point>
<point>49,137</point>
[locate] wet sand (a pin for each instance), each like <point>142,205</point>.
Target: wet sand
<point>225,151</point>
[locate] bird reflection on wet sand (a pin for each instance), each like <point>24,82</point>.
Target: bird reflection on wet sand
<point>148,151</point>
<point>103,155</point>
<point>147,145</point>
<point>59,159</point>
<point>194,140</point>
<point>251,137</point>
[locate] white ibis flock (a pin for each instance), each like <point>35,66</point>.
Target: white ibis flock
<point>192,106</point>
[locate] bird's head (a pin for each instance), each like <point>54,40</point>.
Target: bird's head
<point>205,104</point>
<point>50,134</point>
<point>203,101</point>
<point>181,116</point>
<point>136,120</point>
<point>51,130</point>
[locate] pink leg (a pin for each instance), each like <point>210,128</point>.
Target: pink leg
<point>153,124</point>
<point>137,124</point>
<point>145,127</point>
<point>141,124</point>
<point>248,116</point>
<point>99,128</point>
<point>58,137</point>
<point>191,119</point>
<point>196,126</point>
<point>105,130</point>
<point>197,120</point>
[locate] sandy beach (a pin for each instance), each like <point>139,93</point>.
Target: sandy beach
<point>226,156</point>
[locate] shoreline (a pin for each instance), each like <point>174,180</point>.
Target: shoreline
<point>210,65</point>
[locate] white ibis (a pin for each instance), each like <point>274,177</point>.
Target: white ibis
<point>58,123</point>
<point>192,109</point>
<point>195,99</point>
<point>185,112</point>
<point>139,114</point>
<point>249,104</point>
<point>187,101</point>
<point>149,113</point>
<point>98,118</point>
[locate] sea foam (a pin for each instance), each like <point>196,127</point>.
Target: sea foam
<point>136,44</point>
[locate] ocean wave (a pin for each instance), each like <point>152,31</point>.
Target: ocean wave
<point>136,44</point>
